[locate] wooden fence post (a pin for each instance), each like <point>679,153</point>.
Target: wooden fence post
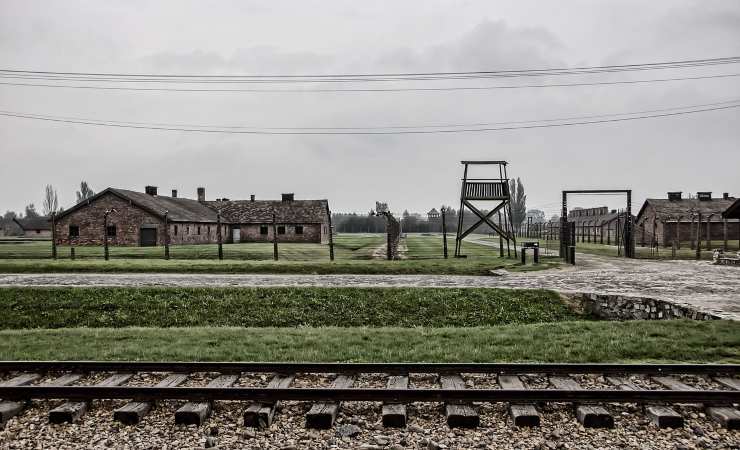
<point>166,236</point>
<point>219,237</point>
<point>698,236</point>
<point>331,236</point>
<point>105,235</point>
<point>724,226</point>
<point>274,238</point>
<point>444,232</point>
<point>54,235</point>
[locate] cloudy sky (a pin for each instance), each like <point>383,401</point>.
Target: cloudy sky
<point>415,172</point>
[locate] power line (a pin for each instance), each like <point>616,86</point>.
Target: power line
<point>415,131</point>
<point>427,89</point>
<point>386,127</point>
<point>411,76</point>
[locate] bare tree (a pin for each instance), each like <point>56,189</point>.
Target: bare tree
<point>51,202</point>
<point>85,192</point>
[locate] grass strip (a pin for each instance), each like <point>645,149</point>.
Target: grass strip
<point>276,307</point>
<point>473,266</point>
<point>577,341</point>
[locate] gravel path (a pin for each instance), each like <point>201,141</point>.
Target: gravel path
<point>360,422</point>
<point>709,288</point>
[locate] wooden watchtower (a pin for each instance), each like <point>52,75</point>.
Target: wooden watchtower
<point>486,190</point>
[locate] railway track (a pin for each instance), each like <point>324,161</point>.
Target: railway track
<point>589,387</point>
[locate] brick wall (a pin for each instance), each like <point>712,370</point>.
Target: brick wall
<point>127,219</point>
<point>311,233</point>
<point>196,233</point>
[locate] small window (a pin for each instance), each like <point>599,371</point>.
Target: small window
<point>299,229</point>
<point>199,230</point>
<point>111,231</point>
<point>263,229</point>
<point>175,230</point>
<point>74,231</point>
<point>281,229</point>
<point>208,230</point>
<point>38,231</point>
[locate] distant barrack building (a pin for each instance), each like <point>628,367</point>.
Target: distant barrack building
<point>148,219</point>
<point>34,227</point>
<point>661,221</point>
<point>598,224</point>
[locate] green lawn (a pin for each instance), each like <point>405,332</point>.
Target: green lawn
<point>276,307</point>
<point>353,255</point>
<point>635,341</point>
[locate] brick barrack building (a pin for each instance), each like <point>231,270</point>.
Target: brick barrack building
<point>146,219</point>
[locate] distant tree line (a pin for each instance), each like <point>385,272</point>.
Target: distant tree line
<point>49,205</point>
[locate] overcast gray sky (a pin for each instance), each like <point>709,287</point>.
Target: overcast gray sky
<point>415,172</point>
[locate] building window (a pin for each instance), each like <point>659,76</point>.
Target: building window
<point>199,230</point>
<point>111,231</point>
<point>299,229</point>
<point>74,231</point>
<point>38,231</point>
<point>175,230</point>
<point>281,229</point>
<point>263,229</point>
<point>208,230</point>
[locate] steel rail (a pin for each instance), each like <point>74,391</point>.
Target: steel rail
<point>362,394</point>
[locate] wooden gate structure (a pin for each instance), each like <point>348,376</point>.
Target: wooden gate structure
<point>567,231</point>
<point>486,189</point>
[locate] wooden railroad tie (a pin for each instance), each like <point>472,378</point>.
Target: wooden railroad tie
<point>394,414</point>
<point>322,414</point>
<point>522,414</point>
<point>70,412</point>
<point>260,414</point>
<point>132,412</point>
<point>727,416</point>
<point>662,416</point>
<point>9,409</point>
<point>591,416</point>
<point>459,414</point>
<point>195,413</point>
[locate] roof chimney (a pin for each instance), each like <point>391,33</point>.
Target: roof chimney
<point>174,193</point>
<point>251,198</point>
<point>151,190</point>
<point>726,195</point>
<point>288,197</point>
<point>201,194</point>
<point>704,196</point>
<point>674,196</point>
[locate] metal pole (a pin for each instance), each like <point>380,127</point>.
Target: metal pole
<point>219,237</point>
<point>444,232</point>
<point>54,235</point>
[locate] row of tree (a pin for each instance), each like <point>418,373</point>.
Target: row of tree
<point>416,223</point>
<point>49,205</point>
